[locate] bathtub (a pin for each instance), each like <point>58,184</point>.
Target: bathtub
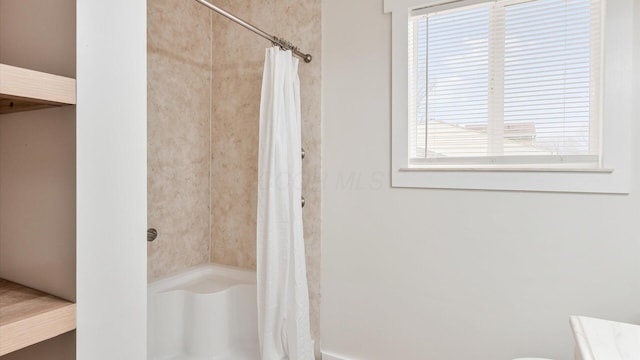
<point>208,312</point>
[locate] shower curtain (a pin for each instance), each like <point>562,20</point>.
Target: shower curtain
<point>283,298</point>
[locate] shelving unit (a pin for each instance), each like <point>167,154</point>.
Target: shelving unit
<point>28,316</point>
<point>38,179</point>
<point>23,90</point>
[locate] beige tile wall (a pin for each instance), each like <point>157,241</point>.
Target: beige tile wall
<point>179,118</point>
<point>238,59</point>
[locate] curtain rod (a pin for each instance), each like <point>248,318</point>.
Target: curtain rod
<point>275,40</point>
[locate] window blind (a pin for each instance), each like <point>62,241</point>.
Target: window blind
<point>507,82</point>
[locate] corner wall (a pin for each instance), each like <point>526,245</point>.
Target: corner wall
<point>446,274</point>
<point>111,179</point>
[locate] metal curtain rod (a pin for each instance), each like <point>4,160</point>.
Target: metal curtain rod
<point>275,40</point>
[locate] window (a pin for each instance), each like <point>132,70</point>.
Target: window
<point>506,82</point>
<point>512,94</point>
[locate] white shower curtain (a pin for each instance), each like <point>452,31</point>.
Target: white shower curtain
<point>283,298</point>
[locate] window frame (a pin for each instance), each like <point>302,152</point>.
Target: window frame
<point>614,174</point>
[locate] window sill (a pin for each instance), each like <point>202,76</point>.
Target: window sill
<point>502,169</point>
<point>528,179</point>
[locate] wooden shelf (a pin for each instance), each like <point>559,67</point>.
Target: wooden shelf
<point>28,316</point>
<point>23,90</point>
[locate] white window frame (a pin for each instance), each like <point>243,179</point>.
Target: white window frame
<point>614,175</point>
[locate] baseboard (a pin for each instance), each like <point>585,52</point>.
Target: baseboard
<point>330,356</point>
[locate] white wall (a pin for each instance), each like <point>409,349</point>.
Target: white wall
<point>447,274</point>
<point>111,179</point>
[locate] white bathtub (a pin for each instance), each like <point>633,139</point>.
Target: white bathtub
<point>208,312</point>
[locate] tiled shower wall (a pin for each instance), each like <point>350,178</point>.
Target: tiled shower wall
<point>205,76</point>
<point>179,118</point>
<point>238,58</point>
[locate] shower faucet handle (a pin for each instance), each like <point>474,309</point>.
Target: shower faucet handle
<point>152,234</point>
<point>303,153</point>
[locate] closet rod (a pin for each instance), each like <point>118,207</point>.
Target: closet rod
<point>275,40</point>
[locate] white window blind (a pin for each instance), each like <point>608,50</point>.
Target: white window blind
<point>505,82</point>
